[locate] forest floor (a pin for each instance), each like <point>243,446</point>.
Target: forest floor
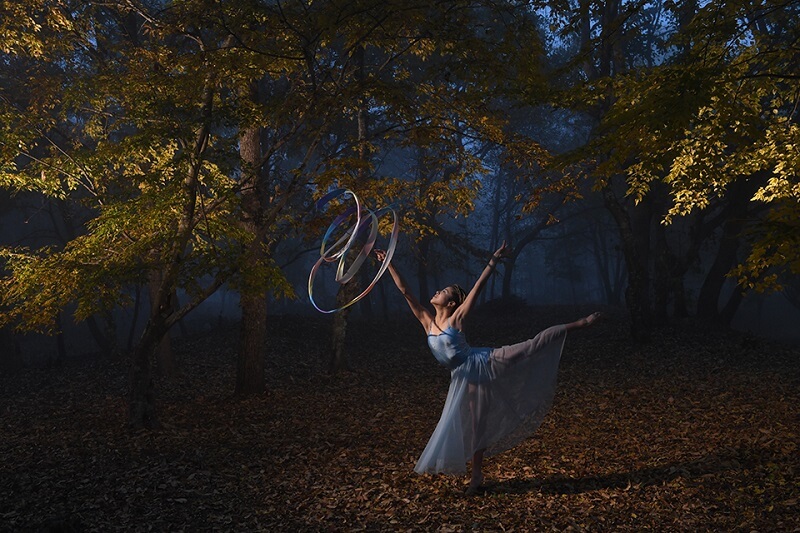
<point>695,431</point>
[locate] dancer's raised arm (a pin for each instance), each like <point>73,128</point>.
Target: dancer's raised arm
<point>469,302</point>
<point>423,315</point>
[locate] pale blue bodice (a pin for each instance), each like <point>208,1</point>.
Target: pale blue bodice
<point>450,347</point>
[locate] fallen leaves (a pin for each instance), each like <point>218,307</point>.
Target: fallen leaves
<point>692,432</point>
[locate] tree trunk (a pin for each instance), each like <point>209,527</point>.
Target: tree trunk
<point>110,324</point>
<point>730,308</point>
<point>11,358</point>
<point>422,269</point>
<point>610,275</point>
<point>99,336</point>
<point>141,405</point>
<point>637,293</point>
<point>384,302</point>
<point>600,256</point>
<point>518,243</point>
<point>351,289</point>
<point>365,278</point>
<point>132,329</point>
<point>250,377</point>
<point>708,299</point>
<point>142,412</point>
<point>791,291</point>
<point>681,309</point>
<point>165,361</point>
<point>508,274</point>
<point>662,281</point>
<point>61,349</point>
<point>337,360</point>
<point>708,304</point>
<point>494,234</point>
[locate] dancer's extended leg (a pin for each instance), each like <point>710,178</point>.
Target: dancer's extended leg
<point>507,354</point>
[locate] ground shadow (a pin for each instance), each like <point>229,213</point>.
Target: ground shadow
<point>657,475</point>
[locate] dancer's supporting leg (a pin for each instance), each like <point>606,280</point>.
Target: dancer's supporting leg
<point>479,407</point>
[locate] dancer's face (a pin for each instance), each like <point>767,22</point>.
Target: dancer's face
<point>442,297</point>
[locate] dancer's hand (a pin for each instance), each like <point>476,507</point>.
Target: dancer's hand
<point>503,251</point>
<point>380,254</point>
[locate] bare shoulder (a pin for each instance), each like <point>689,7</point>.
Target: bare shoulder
<point>457,319</point>
<point>426,319</point>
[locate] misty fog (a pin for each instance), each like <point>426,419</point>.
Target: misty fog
<point>563,265</point>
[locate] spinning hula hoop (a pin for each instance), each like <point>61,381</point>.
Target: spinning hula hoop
<point>366,220</point>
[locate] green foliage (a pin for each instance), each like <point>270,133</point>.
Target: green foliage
<point>719,108</point>
<point>112,122</point>
<point>135,113</point>
<point>774,252</point>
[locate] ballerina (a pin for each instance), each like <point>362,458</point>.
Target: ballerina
<point>497,396</point>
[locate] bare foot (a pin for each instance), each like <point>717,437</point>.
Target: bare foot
<point>591,318</point>
<point>474,485</point>
<point>583,322</point>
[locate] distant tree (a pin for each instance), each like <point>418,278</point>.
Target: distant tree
<point>603,42</point>
<point>791,291</point>
<point>717,125</point>
<point>433,89</point>
<point>687,105</point>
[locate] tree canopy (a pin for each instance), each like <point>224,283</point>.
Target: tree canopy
<point>713,101</point>
<point>193,136</point>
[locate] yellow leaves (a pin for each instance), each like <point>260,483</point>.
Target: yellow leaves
<point>700,125</point>
<point>35,292</point>
<point>424,48</point>
<point>265,276</point>
<point>46,179</point>
<point>775,189</point>
<point>729,138</point>
<point>640,175</point>
<point>35,27</point>
<point>775,248</point>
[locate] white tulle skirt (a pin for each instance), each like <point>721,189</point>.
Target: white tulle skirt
<point>497,398</point>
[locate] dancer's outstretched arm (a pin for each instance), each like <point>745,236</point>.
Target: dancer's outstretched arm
<point>469,302</point>
<point>423,315</point>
